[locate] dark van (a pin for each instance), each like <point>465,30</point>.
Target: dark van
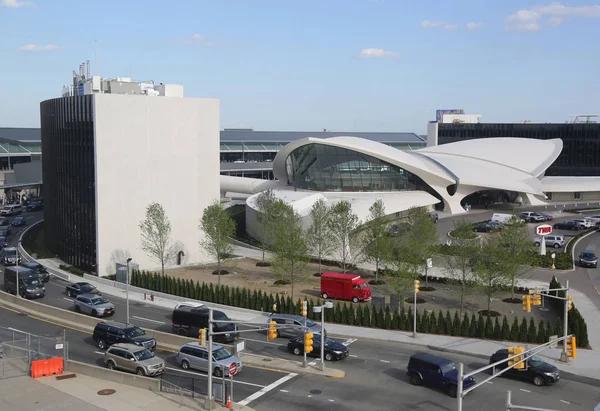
<point>189,320</point>
<point>30,284</point>
<point>436,372</point>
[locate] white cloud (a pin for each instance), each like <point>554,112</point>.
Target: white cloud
<point>14,4</point>
<point>35,47</point>
<point>200,40</point>
<point>535,18</point>
<point>429,24</point>
<point>377,53</point>
<point>474,26</point>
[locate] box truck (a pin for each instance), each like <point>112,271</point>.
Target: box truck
<point>344,287</point>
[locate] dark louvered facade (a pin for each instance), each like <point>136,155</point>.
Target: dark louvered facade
<point>580,155</point>
<point>67,131</point>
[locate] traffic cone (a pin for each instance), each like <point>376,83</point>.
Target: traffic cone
<point>229,404</point>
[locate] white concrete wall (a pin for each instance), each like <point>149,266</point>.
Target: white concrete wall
<point>153,149</point>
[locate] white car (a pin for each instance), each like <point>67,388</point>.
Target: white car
<point>586,222</point>
<point>189,304</point>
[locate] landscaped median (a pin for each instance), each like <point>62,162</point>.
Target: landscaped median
<point>165,341</point>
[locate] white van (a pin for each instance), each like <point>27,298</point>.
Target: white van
<point>502,218</point>
<point>11,209</point>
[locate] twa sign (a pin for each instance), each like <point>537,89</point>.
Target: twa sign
<point>543,229</point>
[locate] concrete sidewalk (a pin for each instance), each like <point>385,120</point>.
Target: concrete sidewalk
<point>84,393</point>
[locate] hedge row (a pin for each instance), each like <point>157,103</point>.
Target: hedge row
<point>359,315</point>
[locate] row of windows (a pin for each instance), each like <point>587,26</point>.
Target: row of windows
<point>580,155</point>
<point>69,180</point>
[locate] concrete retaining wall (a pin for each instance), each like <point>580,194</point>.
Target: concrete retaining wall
<point>119,377</point>
<point>25,256</point>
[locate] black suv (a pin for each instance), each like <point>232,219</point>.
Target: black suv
<point>108,333</point>
<point>437,372</point>
<point>536,370</point>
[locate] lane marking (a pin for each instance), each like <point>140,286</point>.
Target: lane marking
<point>524,390</point>
<point>489,382</point>
<point>331,400</point>
<point>385,361</point>
<point>68,299</point>
<point>10,309</point>
<point>352,355</point>
<point>350,341</point>
<point>206,376</point>
<point>99,352</point>
<point>147,319</point>
<point>266,389</point>
<point>265,368</point>
<point>566,402</point>
<point>264,342</point>
<point>284,390</point>
<point>313,362</point>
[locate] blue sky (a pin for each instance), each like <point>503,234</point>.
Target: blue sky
<point>344,65</point>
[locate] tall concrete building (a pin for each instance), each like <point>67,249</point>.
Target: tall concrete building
<point>111,147</point>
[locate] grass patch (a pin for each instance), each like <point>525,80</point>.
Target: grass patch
<point>33,242</point>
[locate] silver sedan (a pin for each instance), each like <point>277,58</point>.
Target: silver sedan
<point>94,305</point>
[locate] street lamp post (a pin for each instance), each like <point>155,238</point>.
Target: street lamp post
<point>321,309</point>
<point>17,267</point>
<point>127,288</point>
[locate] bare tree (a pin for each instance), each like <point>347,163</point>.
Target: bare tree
<point>264,203</point>
<point>156,235</point>
<point>318,235</point>
<point>290,251</point>
<point>375,237</point>
<point>218,227</point>
<point>343,223</point>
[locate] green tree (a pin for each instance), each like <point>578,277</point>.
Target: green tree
<point>441,324</point>
<point>489,269</point>
<point>514,246</point>
<point>264,203</point>
<point>458,266</point>
<point>514,330</point>
<point>343,224</point>
<point>465,326</point>
<point>218,227</point>
<point>541,335</point>
<point>376,242</point>
<point>318,235</point>
<point>290,251</point>
<point>532,331</point>
<point>497,329</point>
<point>156,235</point>
<point>523,330</point>
<point>505,334</point>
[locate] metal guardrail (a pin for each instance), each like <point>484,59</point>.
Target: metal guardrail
<point>27,257</point>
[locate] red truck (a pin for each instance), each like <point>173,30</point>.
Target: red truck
<point>344,287</point>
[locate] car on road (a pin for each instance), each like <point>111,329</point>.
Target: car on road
<point>567,225</point>
<point>75,289</point>
<point>18,222</point>
<point>584,222</point>
<point>188,320</point>
<point>94,305</point>
<point>35,206</point>
<point>333,350</point>
<point>587,258</point>
<point>10,256</point>
<point>293,325</point>
<point>547,216</point>
<point>595,219</point>
<point>536,371</point>
<point>3,242</point>
<point>556,241</point>
<point>38,268</point>
<point>5,231</point>
<point>4,221</point>
<point>11,209</point>
<point>107,333</point>
<point>483,227</point>
<point>436,372</point>
<point>532,217</point>
<point>194,356</point>
<point>133,358</point>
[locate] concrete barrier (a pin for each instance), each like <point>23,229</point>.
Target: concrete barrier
<point>27,257</point>
<point>119,377</point>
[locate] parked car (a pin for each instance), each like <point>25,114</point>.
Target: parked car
<point>547,216</point>
<point>595,219</point>
<point>133,358</point>
<point>437,372</point>
<point>18,221</point>
<point>294,325</point>
<point>585,222</point>
<point>10,256</point>
<point>75,289</point>
<point>38,268</point>
<point>567,225</point>
<point>497,225</point>
<point>188,320</point>
<point>5,231</point>
<point>536,370</point>
<point>94,305</point>
<point>107,333</point>
<point>194,356</point>
<point>555,241</point>
<point>4,221</point>
<point>35,206</point>
<point>532,217</point>
<point>483,227</point>
<point>587,258</point>
<point>345,287</point>
<point>333,350</point>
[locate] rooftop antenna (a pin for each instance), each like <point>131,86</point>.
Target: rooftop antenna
<point>88,69</point>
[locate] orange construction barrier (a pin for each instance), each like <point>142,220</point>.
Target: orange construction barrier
<point>229,405</point>
<point>43,368</point>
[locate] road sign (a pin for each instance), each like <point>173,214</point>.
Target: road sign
<point>239,346</point>
<point>543,229</point>
<point>429,263</point>
<point>59,346</point>
<point>232,369</point>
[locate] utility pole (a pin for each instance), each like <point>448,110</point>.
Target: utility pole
<point>563,355</point>
<point>417,289</point>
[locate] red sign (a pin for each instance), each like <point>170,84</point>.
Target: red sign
<point>232,369</point>
<point>543,229</point>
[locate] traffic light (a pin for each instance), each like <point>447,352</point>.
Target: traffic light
<point>527,303</point>
<point>512,351</point>
<point>537,298</point>
<point>571,347</point>
<point>202,336</point>
<point>272,333</point>
<point>304,309</point>
<point>308,342</point>
<point>417,286</point>
<point>570,303</point>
